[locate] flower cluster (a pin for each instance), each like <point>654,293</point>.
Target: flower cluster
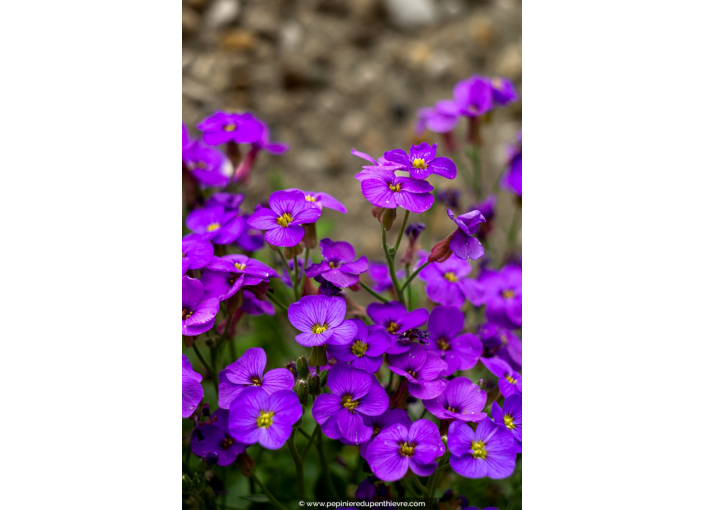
<point>423,379</point>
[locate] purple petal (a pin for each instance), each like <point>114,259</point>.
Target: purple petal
<point>428,442</point>
<point>331,202</point>
<point>263,219</point>
<point>284,236</point>
<point>276,380</point>
<point>444,167</point>
<point>345,380</point>
<point>378,193</point>
<point>415,202</point>
<point>445,322</point>
<point>353,427</point>
<point>375,402</point>
<point>426,389</point>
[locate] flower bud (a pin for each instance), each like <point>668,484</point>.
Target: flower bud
<point>441,251</point>
<point>385,216</point>
<point>302,367</point>
<point>289,252</point>
<point>206,410</point>
<point>314,384</point>
<point>318,356</point>
<point>186,484</point>
<point>301,389</point>
<point>323,378</point>
<point>291,367</point>
<point>246,463</point>
<point>310,235</point>
<point>211,458</point>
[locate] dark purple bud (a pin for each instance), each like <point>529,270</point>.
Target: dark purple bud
<point>211,458</point>
<point>327,288</point>
<point>449,197</point>
<point>206,409</point>
<point>414,230</point>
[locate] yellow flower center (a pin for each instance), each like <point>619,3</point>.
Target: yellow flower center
<point>226,443</point>
<point>442,344</point>
<point>318,329</point>
<point>332,265</point>
<point>310,198</point>
<point>256,381</point>
<point>349,403</point>
<point>411,373</point>
<point>200,164</point>
<point>508,421</point>
<point>284,219</point>
<point>419,163</point>
<point>450,276</point>
<point>508,294</point>
<point>510,379</point>
<point>395,187</point>
<point>265,419</point>
<point>213,226</point>
<point>230,127</point>
<point>406,449</point>
<point>392,327</point>
<point>185,314</point>
<point>240,266</point>
<point>478,450</point>
<point>452,409</point>
<point>359,348</point>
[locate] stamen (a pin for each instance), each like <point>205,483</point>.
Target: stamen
<point>349,403</point>
<point>419,163</point>
<point>510,379</point>
<point>508,421</point>
<point>442,344</point>
<point>478,449</point>
<point>508,294</point>
<point>256,381</point>
<point>310,198</point>
<point>318,329</point>
<point>406,449</point>
<point>359,348</point>
<point>226,443</point>
<point>265,419</point>
<point>284,219</point>
<point>230,127</point>
<point>450,276</point>
<point>185,314</point>
<point>395,187</point>
<point>213,226</point>
<point>392,327</point>
<point>332,265</point>
<point>240,266</point>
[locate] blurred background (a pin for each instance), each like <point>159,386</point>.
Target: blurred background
<point>329,75</point>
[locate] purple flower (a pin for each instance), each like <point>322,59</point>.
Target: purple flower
<point>282,222</point>
<point>448,283</point>
<point>355,394</point>
<point>214,436</point>
<point>449,197</point>
<point>205,164</point>
<point>216,225</point>
<point>504,296</point>
<point>230,201</point>
<point>249,371</point>
<point>473,97</point>
<point>196,252</point>
<point>395,319</point>
<point>365,350</point>
<point>485,207</point>
<point>382,422</point>
<point>399,447</point>
<point>264,418</point>
<point>338,266</point>
<point>513,179</point>
<point>462,400</point>
<point>275,148</point>
<point>422,369</point>
<point>440,119</point>
<point>488,451</point>
<point>228,274</point>
<point>250,239</point>
<point>285,274</point>
<point>460,352</point>
<point>191,390</point>
<point>197,314</point>
<point>503,92</point>
<point>384,189</point>
<point>511,416</point>
<point>510,381</point>
<point>321,200</point>
<point>223,127</point>
<point>380,277</point>
<point>502,343</point>
<point>377,164</point>
<point>185,139</point>
<point>463,244</point>
<point>421,161</point>
<point>321,320</point>
<point>254,306</point>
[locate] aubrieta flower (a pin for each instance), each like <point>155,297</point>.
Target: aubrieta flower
<point>248,371</point>
<point>382,422</point>
<point>230,201</point>
<point>395,319</point>
<point>503,294</point>
<point>197,314</point>
<point>440,119</point>
<point>264,418</point>
<point>448,283</point>
<point>510,381</point>
<point>253,306</point>
<point>387,190</point>
<point>421,161</point>
<point>321,200</point>
<point>228,274</point>
<point>250,239</point>
<point>422,369</point>
<point>473,97</point>
<point>488,451</point>
<point>214,436</point>
<point>511,416</point>
<point>365,350</point>
<point>338,266</point>
<point>321,320</point>
<point>462,243</point>
<point>399,447</point>
<point>513,179</point>
<point>289,210</point>
<point>205,164</point>
<point>460,352</point>
<point>380,276</point>
<point>286,279</point>
<point>216,225</point>
<point>355,394</point>
<point>196,252</point>
<point>462,400</point>
<point>503,92</point>
<point>223,127</point>
<point>191,390</point>
<point>502,343</point>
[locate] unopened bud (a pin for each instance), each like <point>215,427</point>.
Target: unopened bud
<point>314,384</point>
<point>302,367</point>
<point>318,356</point>
<point>310,235</point>
<point>384,216</point>
<point>290,251</point>
<point>211,458</point>
<point>186,484</point>
<point>441,251</point>
<point>246,463</point>
<point>301,389</point>
<point>323,378</point>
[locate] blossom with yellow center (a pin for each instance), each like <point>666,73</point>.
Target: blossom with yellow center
<point>395,187</point>
<point>284,219</point>
<point>508,421</point>
<point>420,163</point>
<point>213,226</point>
<point>450,276</point>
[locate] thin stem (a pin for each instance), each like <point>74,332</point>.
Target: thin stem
<point>288,271</point>
<point>214,361</point>
<point>475,156</point>
<point>400,233</point>
<point>276,301</point>
<point>372,292</point>
<point>294,283</point>
<point>305,265</point>
<point>227,328</point>
<point>315,433</point>
<point>205,363</point>
<point>325,467</point>
<point>300,482</point>
<point>408,294</point>
<point>417,483</point>
<point>268,493</point>
<point>390,263</point>
<point>415,273</point>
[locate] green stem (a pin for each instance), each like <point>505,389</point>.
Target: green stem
<point>417,483</point>
<point>276,301</point>
<point>303,276</point>
<point>294,283</point>
<point>227,328</point>
<point>415,273</point>
<point>298,462</point>
<point>214,361</point>
<point>315,433</point>
<point>288,271</point>
<point>372,292</point>
<point>400,233</point>
<point>390,263</point>
<point>408,294</point>
<point>475,157</point>
<point>325,467</point>
<point>268,493</point>
<point>205,363</point>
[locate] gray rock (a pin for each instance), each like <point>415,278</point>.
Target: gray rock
<point>221,13</point>
<point>411,13</point>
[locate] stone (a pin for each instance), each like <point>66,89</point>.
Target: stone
<point>221,13</point>
<point>409,14</point>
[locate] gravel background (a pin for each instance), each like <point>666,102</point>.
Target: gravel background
<point>328,75</point>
